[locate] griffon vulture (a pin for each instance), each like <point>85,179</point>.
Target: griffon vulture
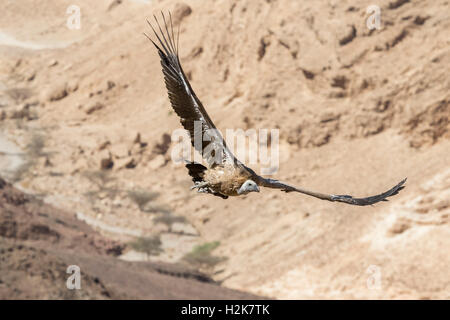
<point>229,176</point>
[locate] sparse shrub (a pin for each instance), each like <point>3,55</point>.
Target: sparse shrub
<point>201,255</point>
<point>33,151</point>
<point>99,177</point>
<point>21,171</point>
<point>35,146</point>
<point>19,94</point>
<point>91,196</point>
<point>169,220</point>
<point>157,208</point>
<point>149,245</point>
<point>141,198</point>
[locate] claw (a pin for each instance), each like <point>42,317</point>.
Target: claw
<point>199,185</point>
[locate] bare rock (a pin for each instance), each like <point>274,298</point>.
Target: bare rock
<point>97,106</point>
<point>184,228</point>
<point>136,150</point>
<point>104,144</point>
<point>347,35</point>
<point>119,150</point>
<point>340,82</point>
<point>329,116</point>
<point>181,11</point>
<point>22,112</point>
<point>80,164</point>
<point>33,103</point>
<point>114,4</point>
<point>107,163</point>
<point>54,93</point>
<point>157,162</point>
<point>137,138</point>
<point>110,84</point>
<point>19,94</point>
<point>163,146</point>
<point>308,74</point>
<point>53,63</point>
<point>397,4</point>
<point>31,76</point>
<point>399,227</point>
<point>72,86</point>
<point>132,163</point>
<point>319,139</point>
<point>128,163</point>
<point>47,162</point>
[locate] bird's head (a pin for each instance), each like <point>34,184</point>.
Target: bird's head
<point>248,186</point>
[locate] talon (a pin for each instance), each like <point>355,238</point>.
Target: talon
<point>199,185</point>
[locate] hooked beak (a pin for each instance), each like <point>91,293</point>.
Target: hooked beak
<point>246,189</point>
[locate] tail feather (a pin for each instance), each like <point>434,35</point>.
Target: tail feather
<point>196,171</point>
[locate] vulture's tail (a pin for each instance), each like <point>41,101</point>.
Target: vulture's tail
<point>196,171</point>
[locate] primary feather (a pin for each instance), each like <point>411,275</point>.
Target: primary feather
<point>184,100</point>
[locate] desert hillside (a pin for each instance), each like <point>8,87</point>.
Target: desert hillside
<point>40,242</point>
<point>86,126</point>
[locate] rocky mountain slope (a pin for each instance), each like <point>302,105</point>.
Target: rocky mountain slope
<point>357,111</point>
<point>38,243</point>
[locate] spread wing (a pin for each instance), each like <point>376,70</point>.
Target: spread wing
<point>205,137</point>
<point>271,183</point>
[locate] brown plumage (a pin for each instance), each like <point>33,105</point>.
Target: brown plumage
<point>226,175</point>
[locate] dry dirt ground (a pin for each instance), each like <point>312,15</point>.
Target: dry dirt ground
<point>357,111</point>
<point>39,242</point>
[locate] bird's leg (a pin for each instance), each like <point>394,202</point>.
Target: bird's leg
<point>199,185</point>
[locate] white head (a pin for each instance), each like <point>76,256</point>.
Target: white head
<point>248,186</point>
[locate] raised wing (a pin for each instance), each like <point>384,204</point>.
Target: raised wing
<point>271,183</point>
<point>205,138</point>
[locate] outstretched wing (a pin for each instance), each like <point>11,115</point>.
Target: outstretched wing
<point>204,136</point>
<point>271,183</point>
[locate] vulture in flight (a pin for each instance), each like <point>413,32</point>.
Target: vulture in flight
<point>227,176</point>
